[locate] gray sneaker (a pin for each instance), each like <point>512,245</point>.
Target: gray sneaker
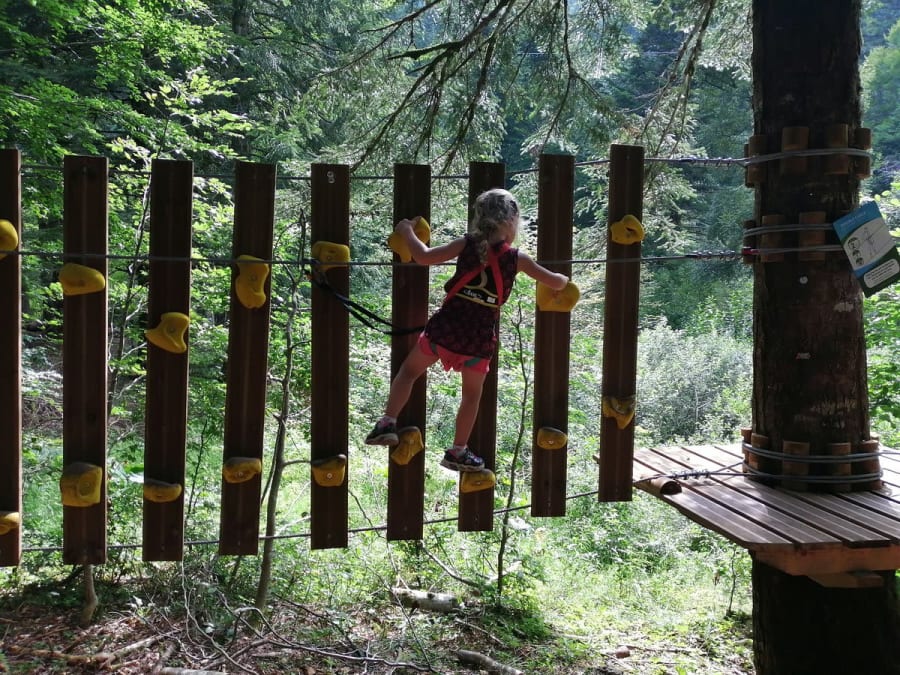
<point>383,434</point>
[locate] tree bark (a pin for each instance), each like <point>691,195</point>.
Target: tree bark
<point>809,347</point>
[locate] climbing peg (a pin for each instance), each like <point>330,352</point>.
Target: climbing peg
<point>9,238</point>
<point>549,438</point>
<point>329,472</point>
<point>249,286</point>
<point>622,409</point>
<point>169,333</point>
<point>627,231</point>
<point>409,446</point>
<point>161,492</point>
<point>78,279</point>
<point>329,255</point>
<point>241,469</point>
<point>80,484</point>
<point>9,521</point>
<point>476,481</point>
<point>564,300</point>
<point>398,244</point>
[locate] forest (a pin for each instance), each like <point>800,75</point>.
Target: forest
<point>629,587</point>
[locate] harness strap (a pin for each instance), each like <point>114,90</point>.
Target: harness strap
<point>471,274</point>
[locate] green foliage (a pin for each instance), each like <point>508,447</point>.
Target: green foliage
<point>693,388</point>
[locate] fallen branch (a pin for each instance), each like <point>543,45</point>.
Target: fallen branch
<point>486,662</point>
<point>434,602</point>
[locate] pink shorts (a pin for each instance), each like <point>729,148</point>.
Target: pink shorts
<point>452,360</point>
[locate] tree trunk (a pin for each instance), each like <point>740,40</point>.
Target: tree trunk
<point>809,346</point>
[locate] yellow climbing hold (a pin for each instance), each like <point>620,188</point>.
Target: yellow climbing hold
<point>241,469</point>
<point>622,409</point>
<point>9,521</point>
<point>9,238</point>
<point>81,484</point>
<point>161,492</point>
<point>627,231</point>
<point>169,334</point>
<point>80,279</point>
<point>250,284</point>
<point>409,446</point>
<point>400,246</point>
<point>329,472</point>
<point>476,481</point>
<point>330,254</point>
<point>564,300</point>
<point>550,438</point>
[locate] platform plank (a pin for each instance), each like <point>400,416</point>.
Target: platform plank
<point>798,532</point>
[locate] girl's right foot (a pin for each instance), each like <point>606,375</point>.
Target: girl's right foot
<point>384,433</point>
<point>464,460</point>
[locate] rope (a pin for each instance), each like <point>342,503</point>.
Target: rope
<point>713,162</point>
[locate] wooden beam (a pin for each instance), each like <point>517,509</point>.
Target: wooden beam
<point>171,208</point>
<point>85,321</point>
<point>556,200</point>
<point>620,323</point>
<point>409,302</point>
<point>330,216</point>
<point>476,509</point>
<point>11,359</point>
<point>248,345</point>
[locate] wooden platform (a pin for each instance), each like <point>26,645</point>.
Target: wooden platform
<point>836,539</point>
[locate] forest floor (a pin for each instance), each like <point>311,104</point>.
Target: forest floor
<point>41,635</point>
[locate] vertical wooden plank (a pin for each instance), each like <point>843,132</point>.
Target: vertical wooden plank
<point>330,215</point>
<point>556,201</point>
<point>620,324</point>
<point>248,346</point>
<point>171,193</point>
<point>11,359</point>
<point>476,509</point>
<point>409,295</point>
<point>85,216</point>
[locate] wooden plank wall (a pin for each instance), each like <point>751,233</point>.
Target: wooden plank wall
<point>85,340</point>
<point>409,298</point>
<point>248,347</point>
<point>556,201</point>
<point>476,509</point>
<point>330,214</point>
<point>171,193</point>
<point>11,359</point>
<point>620,322</point>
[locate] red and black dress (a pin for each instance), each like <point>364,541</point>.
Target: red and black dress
<point>467,322</point>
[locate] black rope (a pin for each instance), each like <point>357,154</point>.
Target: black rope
<point>363,314</point>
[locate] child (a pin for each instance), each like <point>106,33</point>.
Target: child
<point>462,334</point>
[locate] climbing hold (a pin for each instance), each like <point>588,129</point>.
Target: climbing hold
<point>9,238</point>
<point>622,409</point>
<point>476,481</point>
<point>160,492</point>
<point>169,334</point>
<point>549,438</point>
<point>400,246</point>
<point>241,469</point>
<point>329,472</point>
<point>9,521</point>
<point>627,231</point>
<point>249,286</point>
<point>564,300</point>
<point>409,446</point>
<point>80,279</point>
<point>330,254</point>
<point>80,484</point>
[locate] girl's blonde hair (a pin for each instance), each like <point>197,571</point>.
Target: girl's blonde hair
<point>493,209</point>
